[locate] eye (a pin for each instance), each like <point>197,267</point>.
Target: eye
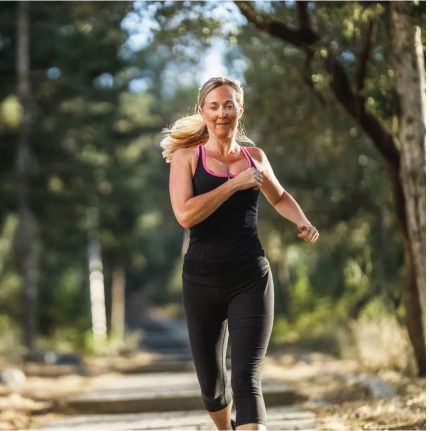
<point>231,106</point>
<point>212,107</point>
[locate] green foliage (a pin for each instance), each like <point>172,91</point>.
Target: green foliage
<point>92,142</point>
<point>95,142</point>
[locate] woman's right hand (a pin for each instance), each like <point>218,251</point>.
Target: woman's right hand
<point>250,178</point>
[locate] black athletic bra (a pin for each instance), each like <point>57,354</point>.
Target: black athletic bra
<point>226,242</point>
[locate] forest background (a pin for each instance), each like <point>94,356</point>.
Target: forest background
<point>106,77</point>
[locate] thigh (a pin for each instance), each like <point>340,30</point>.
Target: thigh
<point>250,318</point>
<point>206,317</point>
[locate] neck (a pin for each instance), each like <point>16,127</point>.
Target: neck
<point>225,147</point>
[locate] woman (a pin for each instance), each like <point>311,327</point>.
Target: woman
<point>227,281</point>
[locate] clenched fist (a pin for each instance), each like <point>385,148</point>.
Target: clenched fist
<point>250,178</point>
<point>309,233</point>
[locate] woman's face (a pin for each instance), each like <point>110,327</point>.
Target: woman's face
<point>221,112</point>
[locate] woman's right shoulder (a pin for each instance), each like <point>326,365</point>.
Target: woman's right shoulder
<point>184,155</point>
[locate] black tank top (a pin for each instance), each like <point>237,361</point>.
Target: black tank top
<point>226,242</point>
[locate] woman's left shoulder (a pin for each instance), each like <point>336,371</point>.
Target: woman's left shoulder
<point>257,153</point>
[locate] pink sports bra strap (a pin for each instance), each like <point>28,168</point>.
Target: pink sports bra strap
<point>252,160</point>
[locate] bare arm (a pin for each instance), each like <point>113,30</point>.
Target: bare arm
<point>290,209</point>
<point>281,200</point>
<point>189,209</point>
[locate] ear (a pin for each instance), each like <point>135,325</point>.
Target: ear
<point>241,111</point>
<point>201,113</point>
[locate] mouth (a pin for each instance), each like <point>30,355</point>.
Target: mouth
<point>223,124</point>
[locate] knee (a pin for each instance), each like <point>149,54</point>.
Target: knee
<point>246,377</point>
<point>215,395</point>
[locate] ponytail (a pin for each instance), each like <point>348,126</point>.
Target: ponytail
<point>187,132</point>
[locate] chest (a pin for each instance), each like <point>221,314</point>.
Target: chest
<point>228,165</point>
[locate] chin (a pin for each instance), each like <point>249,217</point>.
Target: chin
<point>223,136</point>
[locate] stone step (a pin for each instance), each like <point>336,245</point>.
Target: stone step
<point>159,367</point>
<point>278,418</point>
<point>165,365</point>
<point>163,392</point>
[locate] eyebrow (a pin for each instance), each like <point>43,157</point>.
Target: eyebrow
<point>224,102</point>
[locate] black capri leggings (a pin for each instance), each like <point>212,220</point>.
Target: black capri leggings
<point>244,310</point>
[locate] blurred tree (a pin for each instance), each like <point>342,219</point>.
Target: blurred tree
<point>23,165</point>
<point>91,138</point>
<point>345,49</point>
<point>98,108</point>
<point>350,96</point>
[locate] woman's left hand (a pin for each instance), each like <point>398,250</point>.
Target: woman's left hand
<point>309,233</point>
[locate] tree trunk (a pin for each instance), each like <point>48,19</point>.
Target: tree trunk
<point>23,167</point>
<point>118,303</point>
<point>413,310</point>
<point>97,292</point>
<point>408,67</point>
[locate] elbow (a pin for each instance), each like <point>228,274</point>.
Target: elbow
<point>185,217</point>
<point>184,221</point>
<point>185,225</point>
<point>284,194</point>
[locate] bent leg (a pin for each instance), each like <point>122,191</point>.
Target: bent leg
<point>206,318</point>
<point>250,322</point>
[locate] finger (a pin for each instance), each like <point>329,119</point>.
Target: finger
<point>313,234</point>
<point>312,230</point>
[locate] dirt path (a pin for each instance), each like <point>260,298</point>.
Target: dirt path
<point>343,394</point>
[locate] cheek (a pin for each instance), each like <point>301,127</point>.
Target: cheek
<point>211,116</point>
<point>234,117</point>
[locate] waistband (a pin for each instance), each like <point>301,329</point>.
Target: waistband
<point>226,280</point>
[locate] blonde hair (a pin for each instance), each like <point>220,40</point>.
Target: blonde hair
<point>191,131</point>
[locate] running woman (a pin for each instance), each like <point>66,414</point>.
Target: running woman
<point>226,278</point>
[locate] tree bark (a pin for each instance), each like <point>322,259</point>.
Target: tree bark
<point>23,168</point>
<point>408,67</point>
<point>413,311</point>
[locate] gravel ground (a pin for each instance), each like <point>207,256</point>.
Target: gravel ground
<point>337,391</point>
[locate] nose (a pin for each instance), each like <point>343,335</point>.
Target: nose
<point>223,113</point>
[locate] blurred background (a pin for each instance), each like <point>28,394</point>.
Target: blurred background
<point>90,250</point>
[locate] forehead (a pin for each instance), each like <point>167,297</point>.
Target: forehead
<point>221,95</point>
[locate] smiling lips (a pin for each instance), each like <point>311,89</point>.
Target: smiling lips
<point>223,124</point>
